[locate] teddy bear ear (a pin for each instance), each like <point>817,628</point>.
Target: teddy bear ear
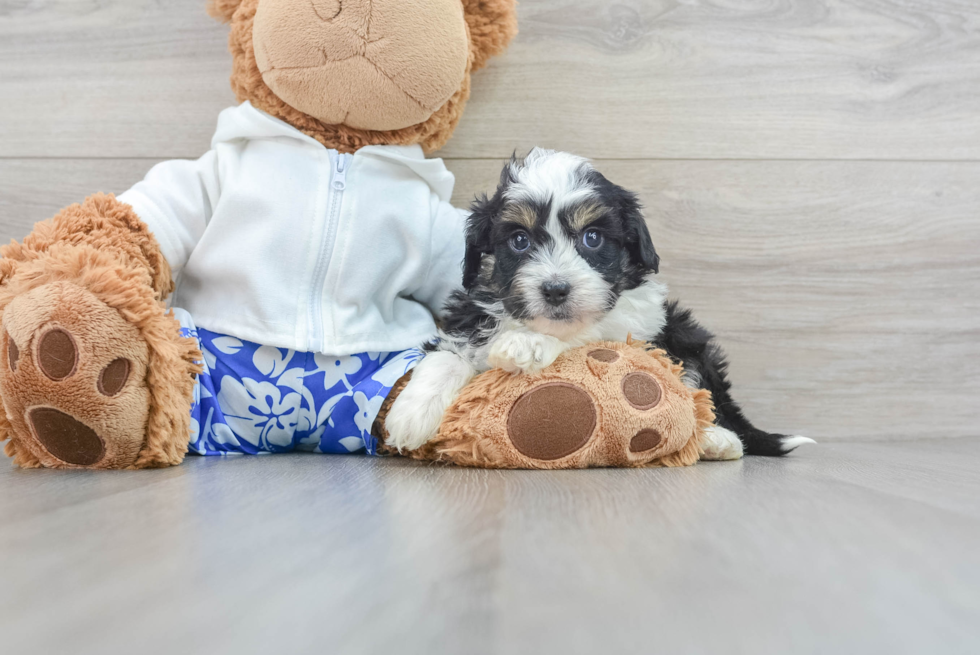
<point>223,10</point>
<point>492,23</point>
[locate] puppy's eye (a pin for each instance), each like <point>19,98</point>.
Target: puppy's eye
<point>592,239</point>
<point>520,241</point>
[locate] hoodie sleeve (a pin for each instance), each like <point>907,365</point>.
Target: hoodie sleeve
<point>445,271</point>
<point>175,200</point>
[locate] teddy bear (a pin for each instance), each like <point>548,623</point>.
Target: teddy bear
<point>274,295</point>
<point>265,297</point>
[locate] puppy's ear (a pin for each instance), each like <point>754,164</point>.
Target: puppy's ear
<point>478,243</point>
<point>639,245</point>
<point>480,223</point>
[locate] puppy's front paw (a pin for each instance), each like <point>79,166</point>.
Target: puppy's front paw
<point>524,352</point>
<point>414,417</point>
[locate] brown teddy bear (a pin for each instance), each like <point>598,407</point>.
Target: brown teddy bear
<point>195,312</point>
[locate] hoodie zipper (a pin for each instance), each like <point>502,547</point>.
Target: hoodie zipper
<point>338,183</point>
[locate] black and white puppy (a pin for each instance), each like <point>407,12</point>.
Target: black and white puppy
<point>557,258</point>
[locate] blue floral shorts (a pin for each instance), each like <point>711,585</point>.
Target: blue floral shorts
<point>259,399</point>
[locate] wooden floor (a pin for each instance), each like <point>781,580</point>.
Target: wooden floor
<point>811,173</point>
<point>841,548</point>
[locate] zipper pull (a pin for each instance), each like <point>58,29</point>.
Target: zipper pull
<point>340,175</point>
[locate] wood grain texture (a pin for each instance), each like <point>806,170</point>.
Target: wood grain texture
<point>786,79</point>
<point>847,294</point>
<point>33,190</point>
<point>101,78</point>
<point>844,548</point>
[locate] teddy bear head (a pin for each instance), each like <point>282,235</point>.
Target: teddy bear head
<point>351,73</point>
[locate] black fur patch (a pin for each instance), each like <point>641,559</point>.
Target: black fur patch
<point>690,344</point>
<point>626,256</point>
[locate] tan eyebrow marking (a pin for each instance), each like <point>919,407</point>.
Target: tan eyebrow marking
<point>522,215</point>
<point>584,214</point>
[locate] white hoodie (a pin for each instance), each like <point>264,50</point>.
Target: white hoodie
<point>275,239</point>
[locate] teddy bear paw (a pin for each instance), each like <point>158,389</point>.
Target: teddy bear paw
<point>72,379</point>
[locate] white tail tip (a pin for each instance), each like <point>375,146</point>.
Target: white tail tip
<point>792,443</point>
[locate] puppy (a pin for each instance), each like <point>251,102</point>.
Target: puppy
<point>557,258</point>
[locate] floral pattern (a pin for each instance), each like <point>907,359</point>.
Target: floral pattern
<point>259,399</point>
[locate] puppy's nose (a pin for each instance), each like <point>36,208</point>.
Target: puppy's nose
<point>556,293</point>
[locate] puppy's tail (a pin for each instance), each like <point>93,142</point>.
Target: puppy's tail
<point>756,442</point>
<point>769,444</point>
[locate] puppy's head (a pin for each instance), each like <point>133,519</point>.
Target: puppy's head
<point>557,243</point>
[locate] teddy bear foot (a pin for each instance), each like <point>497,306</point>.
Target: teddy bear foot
<point>72,378</point>
<point>606,404</point>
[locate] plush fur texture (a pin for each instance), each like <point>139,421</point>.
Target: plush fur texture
<point>102,223</point>
<point>482,427</point>
<point>491,25</point>
<point>223,10</point>
<point>95,271</point>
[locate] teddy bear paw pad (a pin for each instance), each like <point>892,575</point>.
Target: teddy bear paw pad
<point>113,377</point>
<point>69,440</point>
<point>552,421</point>
<point>645,440</point>
<point>57,356</point>
<point>641,390</point>
<point>605,355</point>
<point>74,388</point>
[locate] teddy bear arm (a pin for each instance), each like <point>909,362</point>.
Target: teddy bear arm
<point>101,222</point>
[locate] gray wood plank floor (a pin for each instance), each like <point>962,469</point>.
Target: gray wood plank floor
<point>842,548</point>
